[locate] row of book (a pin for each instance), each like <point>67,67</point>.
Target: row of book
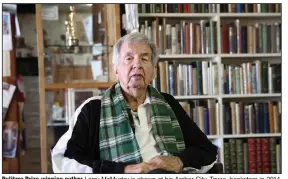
<point>258,38</point>
<point>177,8</point>
<point>252,155</point>
<point>205,114</point>
<point>209,8</point>
<point>195,78</point>
<point>251,78</point>
<point>192,37</point>
<point>184,38</point>
<point>256,117</point>
<point>250,8</point>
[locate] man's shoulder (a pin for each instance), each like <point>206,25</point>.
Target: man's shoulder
<point>94,101</point>
<point>169,98</point>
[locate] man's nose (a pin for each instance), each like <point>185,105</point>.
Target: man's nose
<point>137,62</point>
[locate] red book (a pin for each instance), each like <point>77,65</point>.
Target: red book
<point>157,33</point>
<point>188,8</point>
<point>179,8</point>
<point>169,8</point>
<point>252,168</point>
<point>266,168</point>
<point>225,38</point>
<point>251,141</point>
<point>187,38</point>
<point>194,38</point>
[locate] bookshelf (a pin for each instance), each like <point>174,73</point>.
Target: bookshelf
<point>56,79</point>
<point>11,165</point>
<point>160,21</point>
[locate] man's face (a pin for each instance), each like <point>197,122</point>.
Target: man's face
<point>135,68</point>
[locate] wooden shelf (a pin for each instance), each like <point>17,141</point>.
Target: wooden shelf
<point>196,97</point>
<point>250,15</point>
<point>210,15</point>
<point>252,135</point>
<point>185,56</point>
<point>178,15</point>
<point>251,95</point>
<point>213,136</point>
<point>251,55</point>
<point>59,86</point>
<point>246,55</point>
<point>227,96</point>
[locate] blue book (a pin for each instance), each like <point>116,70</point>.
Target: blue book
<point>265,118</point>
<point>171,80</point>
<point>206,7</point>
<point>244,39</point>
<point>206,121</point>
<point>257,117</point>
<point>240,8</point>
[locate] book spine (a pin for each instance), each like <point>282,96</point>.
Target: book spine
<point>168,39</point>
<point>233,155</point>
<point>203,35</point>
<point>240,156</point>
<point>206,121</point>
<point>205,77</point>
<point>171,79</point>
<point>178,43</point>
<point>227,158</point>
<point>174,40</point>
<point>252,160</point>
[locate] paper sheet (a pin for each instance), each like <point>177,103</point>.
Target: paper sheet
<point>88,26</point>
<point>8,92</point>
<point>96,66</point>
<point>6,31</point>
<point>50,13</point>
<point>6,63</point>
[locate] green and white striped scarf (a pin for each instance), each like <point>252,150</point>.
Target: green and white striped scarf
<point>117,141</point>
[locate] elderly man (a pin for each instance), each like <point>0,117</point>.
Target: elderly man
<point>134,128</point>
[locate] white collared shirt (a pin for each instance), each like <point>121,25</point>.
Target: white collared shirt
<point>143,131</point>
<point>144,136</point>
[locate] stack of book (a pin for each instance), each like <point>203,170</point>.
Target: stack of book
<point>186,37</point>
<point>195,78</point>
<point>250,8</point>
<point>205,114</point>
<point>252,155</point>
<point>257,38</point>
<point>248,118</point>
<point>251,78</point>
<point>177,8</point>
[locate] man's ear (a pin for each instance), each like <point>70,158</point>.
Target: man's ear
<point>155,72</point>
<point>115,71</point>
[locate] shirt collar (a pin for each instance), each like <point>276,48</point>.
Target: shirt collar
<point>147,100</point>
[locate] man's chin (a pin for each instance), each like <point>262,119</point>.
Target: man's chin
<point>137,85</point>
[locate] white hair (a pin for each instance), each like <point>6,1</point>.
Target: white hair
<point>134,38</point>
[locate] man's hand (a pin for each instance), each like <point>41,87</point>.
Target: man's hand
<point>139,168</point>
<point>170,163</point>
